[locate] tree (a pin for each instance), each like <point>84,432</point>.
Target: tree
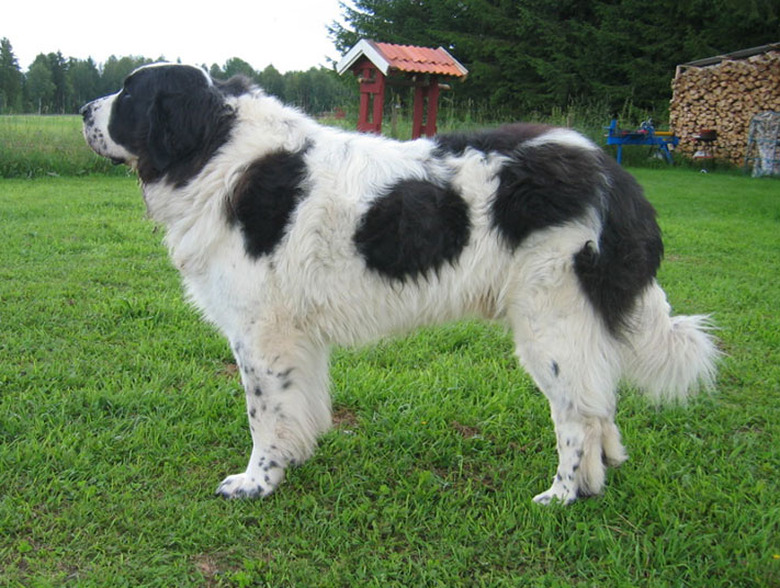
<point>271,81</point>
<point>315,91</point>
<point>489,36</point>
<point>235,66</point>
<point>59,76</point>
<point>84,80</point>
<point>116,69</point>
<point>11,79</point>
<point>40,84</point>
<point>216,72</point>
<point>540,54</point>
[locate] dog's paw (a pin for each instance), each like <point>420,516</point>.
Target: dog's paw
<point>555,494</point>
<point>246,486</point>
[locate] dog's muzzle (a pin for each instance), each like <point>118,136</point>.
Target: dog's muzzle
<point>96,116</point>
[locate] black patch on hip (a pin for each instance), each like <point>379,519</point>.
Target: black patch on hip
<point>545,186</point>
<point>265,197</point>
<point>616,273</point>
<point>551,184</point>
<point>504,139</point>
<point>414,228</point>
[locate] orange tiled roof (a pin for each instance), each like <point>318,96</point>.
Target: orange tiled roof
<point>408,58</point>
<point>403,58</point>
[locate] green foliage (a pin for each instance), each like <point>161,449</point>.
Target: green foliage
<point>316,91</point>
<point>120,412</point>
<point>54,85</point>
<point>113,73</point>
<point>10,79</point>
<point>233,67</point>
<point>40,84</point>
<point>537,54</point>
<point>85,81</point>
<point>523,57</point>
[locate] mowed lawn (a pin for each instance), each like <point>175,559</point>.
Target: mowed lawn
<point>120,412</point>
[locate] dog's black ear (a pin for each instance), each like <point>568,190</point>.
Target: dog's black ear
<point>180,124</point>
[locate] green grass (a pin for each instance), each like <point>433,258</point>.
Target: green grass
<point>39,146</point>
<point>120,412</point>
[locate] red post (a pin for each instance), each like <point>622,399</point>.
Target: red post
<point>423,93</point>
<point>379,101</point>
<point>372,98</point>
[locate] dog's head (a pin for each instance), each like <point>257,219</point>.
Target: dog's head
<point>166,121</point>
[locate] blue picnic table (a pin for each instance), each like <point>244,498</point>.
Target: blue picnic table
<point>644,135</point>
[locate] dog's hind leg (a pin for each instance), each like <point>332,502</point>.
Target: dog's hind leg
<point>586,445</point>
<point>569,354</point>
<point>286,385</point>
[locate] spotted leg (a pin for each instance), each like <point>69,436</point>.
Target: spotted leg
<point>586,445</point>
<point>582,409</point>
<point>571,359</point>
<point>286,386</point>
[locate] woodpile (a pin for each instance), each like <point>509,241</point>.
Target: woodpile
<point>723,97</point>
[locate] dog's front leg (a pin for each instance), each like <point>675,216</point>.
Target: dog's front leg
<point>286,385</point>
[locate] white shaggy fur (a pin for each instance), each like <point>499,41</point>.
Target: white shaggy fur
<point>282,312</point>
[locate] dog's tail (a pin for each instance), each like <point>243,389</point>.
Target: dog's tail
<point>666,357</point>
<point>669,357</point>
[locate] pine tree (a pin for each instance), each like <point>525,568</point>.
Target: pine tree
<point>544,54</point>
<point>11,79</point>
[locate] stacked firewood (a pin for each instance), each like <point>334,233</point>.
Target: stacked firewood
<point>724,98</point>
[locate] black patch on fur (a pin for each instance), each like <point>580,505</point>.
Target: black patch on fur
<point>264,199</point>
<point>173,119</point>
<point>551,184</point>
<point>545,186</point>
<point>504,139</point>
<point>412,229</point>
<point>629,251</point>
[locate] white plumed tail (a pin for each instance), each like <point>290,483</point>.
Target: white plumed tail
<point>668,357</point>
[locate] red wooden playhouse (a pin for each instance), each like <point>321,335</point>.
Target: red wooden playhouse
<point>378,64</point>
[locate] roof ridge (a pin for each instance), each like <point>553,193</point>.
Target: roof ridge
<point>403,58</point>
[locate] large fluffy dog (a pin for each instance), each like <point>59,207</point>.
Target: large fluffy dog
<point>292,237</point>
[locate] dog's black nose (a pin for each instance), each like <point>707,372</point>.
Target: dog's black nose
<point>84,111</point>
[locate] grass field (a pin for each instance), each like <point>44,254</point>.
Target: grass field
<point>120,412</point>
<point>40,146</point>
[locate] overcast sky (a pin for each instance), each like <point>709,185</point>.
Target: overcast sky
<point>290,34</point>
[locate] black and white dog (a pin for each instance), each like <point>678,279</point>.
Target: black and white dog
<point>292,237</point>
